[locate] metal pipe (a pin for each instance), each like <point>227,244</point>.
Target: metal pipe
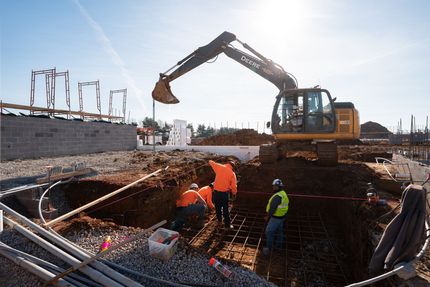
<point>93,274</point>
<point>34,268</point>
<point>72,249</point>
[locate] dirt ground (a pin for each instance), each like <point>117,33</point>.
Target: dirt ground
<point>240,137</point>
<point>140,205</point>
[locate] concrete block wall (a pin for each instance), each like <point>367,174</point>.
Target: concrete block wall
<point>32,137</point>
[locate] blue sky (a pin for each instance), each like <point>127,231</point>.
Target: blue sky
<point>375,54</point>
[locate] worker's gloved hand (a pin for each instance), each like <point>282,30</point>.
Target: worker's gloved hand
<point>266,218</point>
<point>232,197</point>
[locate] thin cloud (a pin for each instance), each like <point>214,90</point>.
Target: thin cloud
<point>115,57</point>
<point>386,54</point>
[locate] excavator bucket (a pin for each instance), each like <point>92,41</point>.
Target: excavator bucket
<point>162,93</point>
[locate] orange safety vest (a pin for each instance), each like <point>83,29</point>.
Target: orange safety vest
<point>206,194</point>
<point>225,178</point>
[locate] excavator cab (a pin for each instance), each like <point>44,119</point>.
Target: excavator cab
<point>299,111</point>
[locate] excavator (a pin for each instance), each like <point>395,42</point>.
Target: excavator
<point>303,119</point>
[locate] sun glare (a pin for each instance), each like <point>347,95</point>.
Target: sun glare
<point>280,16</point>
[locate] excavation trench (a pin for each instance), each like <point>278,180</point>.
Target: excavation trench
<point>327,240</point>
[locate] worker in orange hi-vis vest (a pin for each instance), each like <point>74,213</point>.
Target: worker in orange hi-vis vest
<point>190,203</point>
<point>225,183</point>
<point>206,193</point>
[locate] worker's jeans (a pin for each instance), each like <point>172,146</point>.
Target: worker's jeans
<point>220,200</point>
<point>183,213</point>
<point>275,227</point>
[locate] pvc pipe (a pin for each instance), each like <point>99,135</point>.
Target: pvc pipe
<point>117,266</point>
<point>93,274</point>
<point>111,249</point>
<point>77,210</point>
<point>164,282</point>
<point>1,221</point>
<point>35,269</point>
<point>47,264</point>
<point>72,249</point>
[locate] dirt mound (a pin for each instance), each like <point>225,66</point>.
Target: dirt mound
<point>372,129</point>
<point>82,222</point>
<point>240,137</point>
<point>364,153</point>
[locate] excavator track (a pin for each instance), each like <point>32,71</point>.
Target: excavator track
<point>327,153</point>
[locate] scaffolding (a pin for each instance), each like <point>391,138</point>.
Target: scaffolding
<point>81,102</point>
<point>66,87</point>
<point>124,101</point>
<point>49,86</point>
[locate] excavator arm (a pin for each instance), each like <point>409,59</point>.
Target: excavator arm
<point>259,64</point>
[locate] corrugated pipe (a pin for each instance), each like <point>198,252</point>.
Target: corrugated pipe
<point>72,249</point>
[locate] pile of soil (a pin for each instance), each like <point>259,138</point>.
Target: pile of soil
<point>374,130</point>
<point>241,137</point>
<point>364,153</point>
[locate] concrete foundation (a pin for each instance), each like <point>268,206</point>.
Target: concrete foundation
<point>32,137</point>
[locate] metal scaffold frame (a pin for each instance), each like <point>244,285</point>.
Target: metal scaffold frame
<point>81,101</point>
<point>66,88</point>
<point>124,101</point>
<point>49,86</point>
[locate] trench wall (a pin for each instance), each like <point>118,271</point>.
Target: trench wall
<point>30,137</point>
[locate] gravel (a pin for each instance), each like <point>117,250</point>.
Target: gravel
<point>187,265</point>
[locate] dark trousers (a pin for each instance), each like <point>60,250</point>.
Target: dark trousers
<point>220,200</point>
<point>183,214</point>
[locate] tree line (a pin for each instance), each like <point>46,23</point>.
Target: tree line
<point>201,131</point>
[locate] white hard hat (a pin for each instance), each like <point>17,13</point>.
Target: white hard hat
<point>277,182</point>
<point>194,186</point>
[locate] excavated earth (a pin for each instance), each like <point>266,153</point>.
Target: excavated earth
<point>240,137</point>
<point>351,224</point>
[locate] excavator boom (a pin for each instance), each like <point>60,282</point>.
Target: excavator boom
<point>257,63</point>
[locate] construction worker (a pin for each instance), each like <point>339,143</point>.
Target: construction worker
<point>225,183</point>
<point>206,193</point>
<point>276,209</point>
<point>189,204</point>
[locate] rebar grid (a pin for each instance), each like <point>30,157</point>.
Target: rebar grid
<point>307,257</point>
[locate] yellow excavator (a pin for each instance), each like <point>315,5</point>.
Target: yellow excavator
<point>302,120</point>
